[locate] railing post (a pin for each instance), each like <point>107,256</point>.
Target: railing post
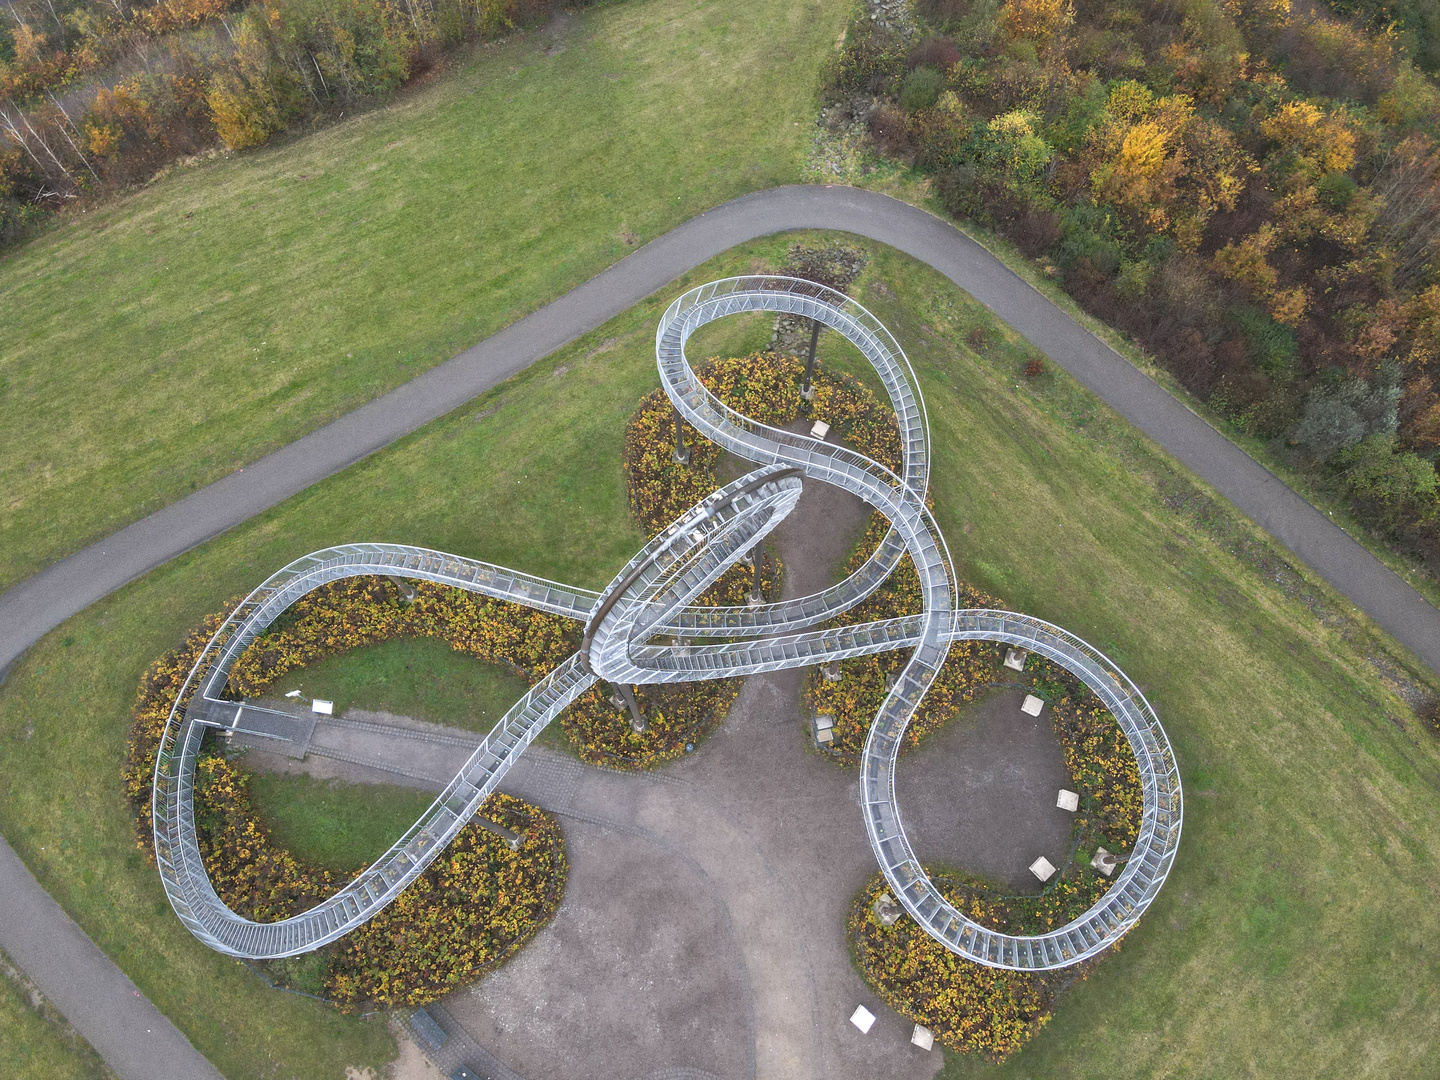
<point>807,391</point>
<point>624,698</point>
<point>757,556</point>
<point>405,587</point>
<point>682,452</point>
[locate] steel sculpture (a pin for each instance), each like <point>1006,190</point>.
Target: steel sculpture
<point>630,633</point>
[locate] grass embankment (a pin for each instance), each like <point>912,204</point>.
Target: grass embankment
<point>35,1041</point>
<point>167,338</point>
<point>1294,937</point>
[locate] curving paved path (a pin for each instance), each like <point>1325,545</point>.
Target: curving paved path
<point>85,985</point>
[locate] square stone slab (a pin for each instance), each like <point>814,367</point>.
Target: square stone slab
<point>1015,658</point>
<point>886,910</point>
<point>1068,800</point>
<point>824,722</point>
<point>922,1037</point>
<point>820,430</point>
<point>1042,868</point>
<point>825,735</point>
<point>1104,862</point>
<point>863,1019</point>
<point>1032,705</point>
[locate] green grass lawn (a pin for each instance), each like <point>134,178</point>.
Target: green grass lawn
<point>417,677</point>
<point>162,340</point>
<point>35,1041</point>
<point>342,827</point>
<point>1295,936</point>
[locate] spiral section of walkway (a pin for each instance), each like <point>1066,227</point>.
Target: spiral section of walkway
<point>644,628</point>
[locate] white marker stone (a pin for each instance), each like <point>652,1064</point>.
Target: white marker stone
<point>1068,800</point>
<point>1104,862</point>
<point>820,430</point>
<point>863,1019</point>
<point>325,708</point>
<point>922,1037</point>
<point>1032,705</point>
<point>1042,868</point>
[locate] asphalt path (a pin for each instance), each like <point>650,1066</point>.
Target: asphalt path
<point>89,989</point>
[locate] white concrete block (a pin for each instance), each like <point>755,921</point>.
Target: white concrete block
<point>1068,800</point>
<point>296,693</point>
<point>325,708</point>
<point>1042,868</point>
<point>826,736</point>
<point>1104,862</point>
<point>820,430</point>
<point>887,910</point>
<point>824,722</point>
<point>922,1037</point>
<point>1015,658</point>
<point>863,1019</point>
<point>1032,705</point>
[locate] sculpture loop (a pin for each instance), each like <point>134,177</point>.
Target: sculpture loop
<point>649,603</point>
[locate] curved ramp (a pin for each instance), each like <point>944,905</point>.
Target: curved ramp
<point>650,602</point>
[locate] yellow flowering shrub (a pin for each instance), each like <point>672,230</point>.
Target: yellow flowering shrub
<point>466,915</point>
<point>471,910</point>
<point>970,1008</point>
<point>158,688</point>
<point>1098,757</point>
<point>854,700</point>
<point>253,875</point>
<point>764,387</point>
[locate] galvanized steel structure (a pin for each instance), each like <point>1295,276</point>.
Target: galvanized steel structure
<point>644,628</point>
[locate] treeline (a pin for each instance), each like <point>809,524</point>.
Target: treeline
<point>99,93</point>
<point>1251,189</point>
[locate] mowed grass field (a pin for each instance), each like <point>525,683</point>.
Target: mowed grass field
<point>35,1041</point>
<point>1295,936</point>
<point>165,339</point>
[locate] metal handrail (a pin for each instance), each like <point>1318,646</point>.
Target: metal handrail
<point>652,597</point>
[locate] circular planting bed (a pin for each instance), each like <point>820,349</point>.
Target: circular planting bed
<point>970,1007</point>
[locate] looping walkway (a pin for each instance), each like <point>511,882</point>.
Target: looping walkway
<point>649,602</point>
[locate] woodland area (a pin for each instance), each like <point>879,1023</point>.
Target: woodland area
<point>1249,188</point>
<point>103,93</point>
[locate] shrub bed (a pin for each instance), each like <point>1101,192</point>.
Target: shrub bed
<point>465,915</point>
<point>969,1007</point>
<point>854,700</point>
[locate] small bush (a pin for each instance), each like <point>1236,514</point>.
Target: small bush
<point>1034,368</point>
<point>940,53</point>
<point>889,130</point>
<point>922,89</point>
